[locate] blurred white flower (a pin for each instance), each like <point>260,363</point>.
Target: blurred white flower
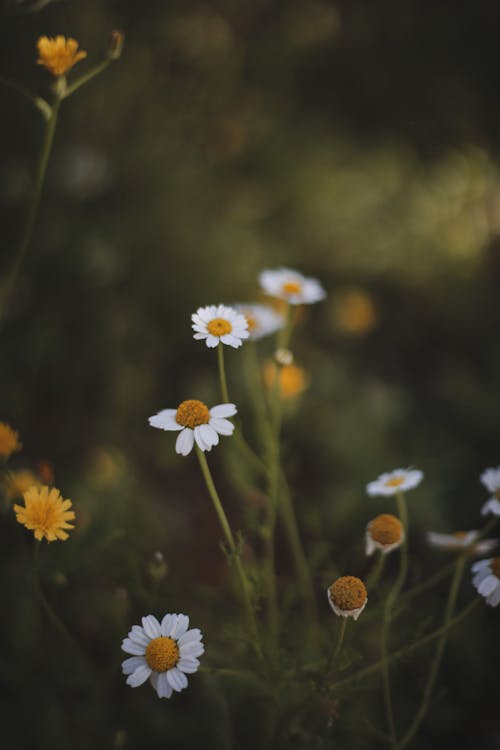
<point>461,540</point>
<point>263,320</point>
<point>491,480</point>
<point>385,532</point>
<point>290,285</point>
<point>165,652</point>
<point>218,323</point>
<point>195,421</point>
<point>395,481</point>
<point>487,579</point>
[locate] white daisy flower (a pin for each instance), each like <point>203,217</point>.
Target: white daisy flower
<point>385,532</point>
<point>487,579</point>
<point>395,481</point>
<point>195,421</point>
<point>347,596</point>
<point>462,540</point>
<point>165,652</point>
<point>218,323</point>
<point>262,320</point>
<point>291,286</point>
<point>491,480</point>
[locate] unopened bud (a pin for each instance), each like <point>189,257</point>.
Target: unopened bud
<point>283,357</point>
<point>115,48</point>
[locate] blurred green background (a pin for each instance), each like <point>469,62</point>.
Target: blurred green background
<point>355,141</point>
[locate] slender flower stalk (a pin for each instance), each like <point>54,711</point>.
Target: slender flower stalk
<point>233,549</point>
<point>433,671</point>
<point>376,571</point>
<point>386,620</point>
<point>222,374</point>
<point>337,646</point>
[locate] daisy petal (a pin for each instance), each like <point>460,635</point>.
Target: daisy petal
<point>140,676</point>
<point>163,688</point>
<point>185,441</point>
<point>165,420</point>
<point>223,410</point>
<point>130,665</point>
<point>151,626</point>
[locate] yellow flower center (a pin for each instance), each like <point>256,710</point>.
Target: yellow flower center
<point>219,327</point>
<point>495,567</point>
<point>386,529</point>
<point>291,287</point>
<point>251,322</point>
<point>162,654</point>
<point>395,481</point>
<point>192,413</point>
<point>348,592</point>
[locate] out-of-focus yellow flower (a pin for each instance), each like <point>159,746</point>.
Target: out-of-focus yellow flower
<point>293,379</point>
<point>9,440</point>
<point>18,482</point>
<point>354,311</point>
<point>45,513</point>
<point>58,54</point>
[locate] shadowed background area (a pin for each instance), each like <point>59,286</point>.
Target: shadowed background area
<point>355,141</point>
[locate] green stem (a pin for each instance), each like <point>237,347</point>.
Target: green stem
<point>37,101</point>
<point>427,584</point>
<point>233,548</point>
<point>54,619</point>
<point>100,68</point>
<point>386,621</point>
<point>222,374</point>
<point>433,671</point>
<point>48,141</point>
<point>376,571</point>
<point>409,649</point>
<point>338,644</point>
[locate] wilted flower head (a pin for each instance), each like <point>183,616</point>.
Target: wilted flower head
<point>462,540</point>
<point>220,324</point>
<point>58,54</point>
<point>290,285</point>
<point>196,422</point>
<point>9,440</point>
<point>347,596</point>
<point>491,480</point>
<point>395,481</point>
<point>385,532</point>
<point>487,579</point>
<point>263,320</point>
<point>165,652</point>
<point>45,513</point>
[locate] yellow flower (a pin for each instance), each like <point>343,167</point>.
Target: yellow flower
<point>292,379</point>
<point>58,54</point>
<point>45,513</point>
<point>18,482</point>
<point>9,440</point>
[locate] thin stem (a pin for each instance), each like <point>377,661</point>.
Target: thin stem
<point>376,571</point>
<point>388,607</point>
<point>234,550</point>
<point>47,143</point>
<point>54,619</point>
<point>409,649</point>
<point>100,68</point>
<point>222,374</point>
<point>338,644</point>
<point>428,583</point>
<point>37,101</point>
<point>433,671</point>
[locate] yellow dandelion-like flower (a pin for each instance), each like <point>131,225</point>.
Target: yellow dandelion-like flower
<point>9,440</point>
<point>58,54</point>
<point>45,513</point>
<point>18,482</point>
<point>293,379</point>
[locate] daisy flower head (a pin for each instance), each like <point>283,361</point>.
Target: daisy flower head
<point>45,513</point>
<point>165,652</point>
<point>385,532</point>
<point>291,286</point>
<point>220,324</point>
<point>460,541</point>
<point>58,54</point>
<point>262,320</point>
<point>491,480</point>
<point>395,481</point>
<point>486,579</point>
<point>347,596</point>
<point>9,440</point>
<point>195,422</point>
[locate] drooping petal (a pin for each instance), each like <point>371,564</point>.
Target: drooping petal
<point>185,441</point>
<point>163,687</point>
